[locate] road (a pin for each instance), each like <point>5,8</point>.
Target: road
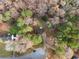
<point>38,54</point>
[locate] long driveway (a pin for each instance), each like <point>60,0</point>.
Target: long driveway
<point>39,54</point>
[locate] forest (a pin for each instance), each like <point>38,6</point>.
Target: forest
<point>45,28</point>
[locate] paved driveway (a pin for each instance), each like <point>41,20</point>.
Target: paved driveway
<point>39,54</point>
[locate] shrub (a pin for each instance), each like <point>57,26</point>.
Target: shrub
<point>36,39</point>
<point>26,13</point>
